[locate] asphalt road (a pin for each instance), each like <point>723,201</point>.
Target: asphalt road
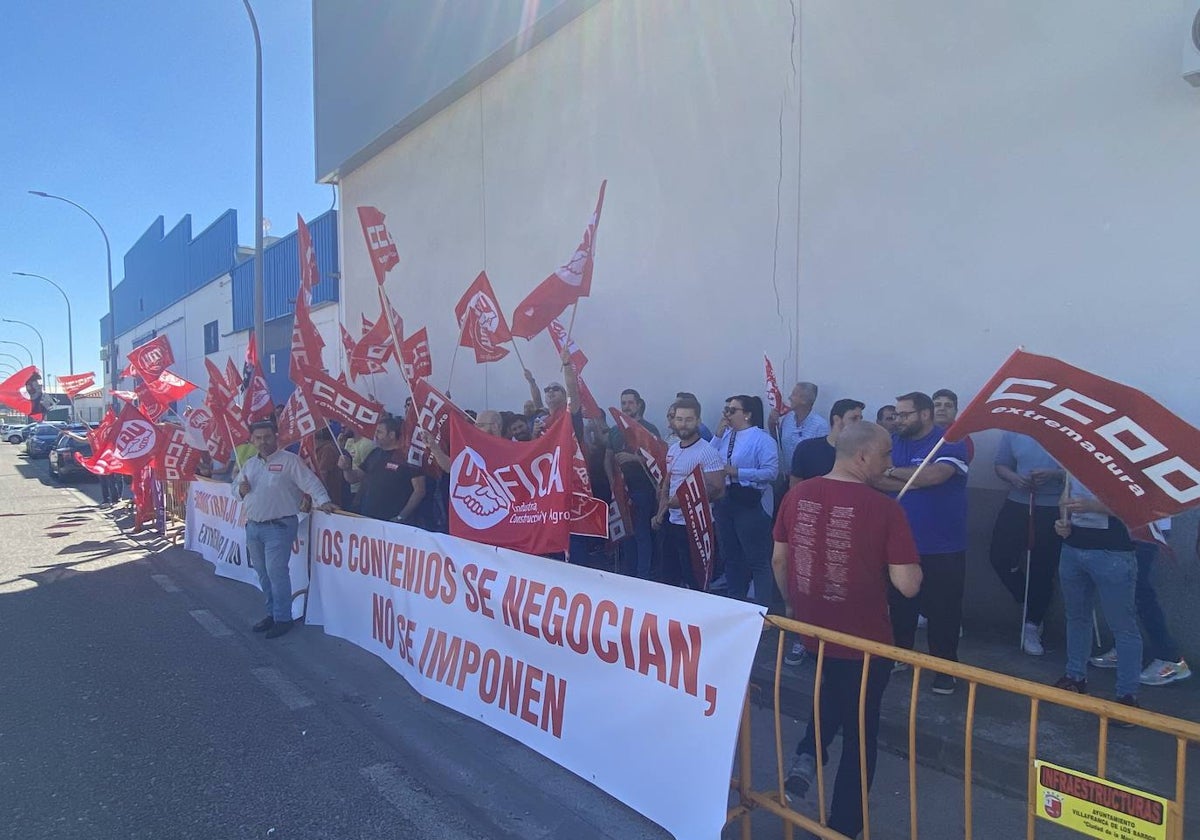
<point>135,703</point>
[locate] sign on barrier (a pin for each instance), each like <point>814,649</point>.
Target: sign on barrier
<point>1097,807</point>
<point>216,530</point>
<point>635,686</point>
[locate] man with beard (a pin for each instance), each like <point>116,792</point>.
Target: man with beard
<point>391,489</point>
<point>936,506</point>
<point>271,485</point>
<point>636,555</point>
<point>685,454</point>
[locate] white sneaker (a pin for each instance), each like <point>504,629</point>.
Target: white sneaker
<point>1031,640</point>
<point>1108,659</point>
<point>922,622</point>
<point>1161,672</point>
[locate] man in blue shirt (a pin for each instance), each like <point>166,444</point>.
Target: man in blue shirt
<point>800,423</point>
<point>743,515</point>
<point>936,506</point>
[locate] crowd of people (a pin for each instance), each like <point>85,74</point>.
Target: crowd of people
<point>848,524</point>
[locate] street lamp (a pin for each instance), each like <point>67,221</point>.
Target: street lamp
<point>112,317</point>
<point>39,335</point>
<point>70,337</point>
<point>14,358</point>
<point>22,346</point>
<point>258,181</point>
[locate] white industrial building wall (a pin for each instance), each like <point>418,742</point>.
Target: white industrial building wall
<point>974,177</point>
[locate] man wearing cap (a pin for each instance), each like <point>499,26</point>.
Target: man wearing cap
<point>271,486</point>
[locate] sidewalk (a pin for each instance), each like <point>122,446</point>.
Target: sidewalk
<point>1141,759</point>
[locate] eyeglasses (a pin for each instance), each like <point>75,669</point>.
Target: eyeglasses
<point>904,415</point>
<point>731,409</point>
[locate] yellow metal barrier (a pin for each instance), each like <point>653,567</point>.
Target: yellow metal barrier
<point>775,801</point>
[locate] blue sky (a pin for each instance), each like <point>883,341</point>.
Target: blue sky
<point>136,109</point>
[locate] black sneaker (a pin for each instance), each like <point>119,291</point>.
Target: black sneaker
<point>266,624</point>
<point>796,655</point>
<point>944,684</point>
<point>800,776</point>
<point>1127,700</point>
<point>1071,684</point>
<point>278,628</point>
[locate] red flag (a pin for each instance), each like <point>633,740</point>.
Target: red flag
<point>348,342</point>
<point>374,348</point>
<point>620,512</point>
<point>131,443</point>
<point>128,396</point>
<point>337,401</point>
<point>232,379</point>
<point>589,515</point>
<point>195,423</point>
<point>297,420</point>
<point>1133,453</point>
<point>306,340</point>
<point>143,488</point>
<point>481,323</point>
<point>76,384</point>
<point>774,395</point>
<point>176,459</point>
<point>511,494</point>
<point>13,391</point>
<point>415,359</point>
<point>640,442</point>
<point>431,411</point>
<point>169,387</point>
<point>152,358</point>
<point>384,255</point>
<point>256,400</point>
<point>127,371</point>
<point>701,529</point>
<point>558,334</point>
<point>565,286</point>
<point>148,402</point>
<point>97,436</point>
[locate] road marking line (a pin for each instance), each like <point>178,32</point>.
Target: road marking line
<point>289,693</point>
<point>211,623</point>
<point>166,583</point>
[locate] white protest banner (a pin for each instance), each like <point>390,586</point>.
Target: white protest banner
<point>216,530</point>
<point>635,686</point>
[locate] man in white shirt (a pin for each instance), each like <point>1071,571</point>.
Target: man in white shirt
<point>686,453</point>
<point>271,486</point>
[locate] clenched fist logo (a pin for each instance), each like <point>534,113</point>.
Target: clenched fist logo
<point>478,498</point>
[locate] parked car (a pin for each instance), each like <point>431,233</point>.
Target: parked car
<point>41,440</point>
<point>16,434</point>
<point>62,457</point>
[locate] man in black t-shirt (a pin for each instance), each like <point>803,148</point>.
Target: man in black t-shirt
<point>814,457</point>
<point>390,489</point>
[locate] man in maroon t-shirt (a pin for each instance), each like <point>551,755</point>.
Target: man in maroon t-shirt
<point>837,543</point>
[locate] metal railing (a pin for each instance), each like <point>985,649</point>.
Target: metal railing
<point>776,802</point>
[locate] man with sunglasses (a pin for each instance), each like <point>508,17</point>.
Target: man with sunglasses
<point>936,506</point>
<point>743,515</point>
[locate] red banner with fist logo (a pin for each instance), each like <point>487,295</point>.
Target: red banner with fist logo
<point>512,494</point>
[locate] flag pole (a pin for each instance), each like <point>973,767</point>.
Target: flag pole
<point>1029,538</point>
<point>454,358</point>
<point>571,326</point>
<point>920,467</point>
<point>386,312</point>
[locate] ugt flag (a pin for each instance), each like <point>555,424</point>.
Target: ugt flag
<point>565,286</point>
<point>1136,456</point>
<point>481,324</point>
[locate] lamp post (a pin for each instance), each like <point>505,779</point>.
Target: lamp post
<point>14,358</point>
<point>112,318</point>
<point>22,346</point>
<point>70,329</point>
<point>258,181</point>
<point>39,335</point>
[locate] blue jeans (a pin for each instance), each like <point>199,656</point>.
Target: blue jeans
<point>637,553</point>
<point>269,545</point>
<point>744,538</point>
<point>110,488</point>
<point>1158,639</point>
<point>1111,575</point>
